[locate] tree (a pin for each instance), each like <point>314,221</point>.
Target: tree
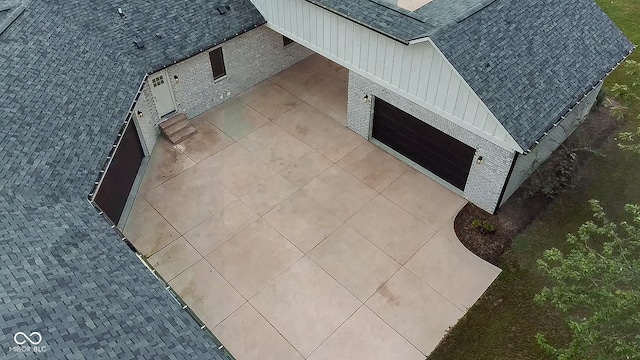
<point>597,286</point>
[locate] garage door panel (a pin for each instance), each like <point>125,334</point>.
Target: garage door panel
<point>121,174</point>
<point>430,148</point>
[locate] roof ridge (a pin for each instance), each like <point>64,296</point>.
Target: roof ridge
<point>399,10</point>
<point>6,5</point>
<point>473,10</point>
<point>22,5</point>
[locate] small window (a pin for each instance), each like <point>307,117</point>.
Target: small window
<point>286,41</point>
<point>157,81</point>
<point>217,63</point>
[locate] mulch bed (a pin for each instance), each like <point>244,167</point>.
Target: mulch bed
<point>521,209</point>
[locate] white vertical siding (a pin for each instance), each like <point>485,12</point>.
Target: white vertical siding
<point>418,72</point>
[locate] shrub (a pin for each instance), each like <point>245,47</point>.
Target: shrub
<point>483,226</point>
<point>554,175</point>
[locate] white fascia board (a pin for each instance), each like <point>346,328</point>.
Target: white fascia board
<point>418,40</point>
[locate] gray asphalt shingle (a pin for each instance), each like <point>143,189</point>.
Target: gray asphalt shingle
<point>528,60</point>
<point>532,60</point>
<point>69,72</point>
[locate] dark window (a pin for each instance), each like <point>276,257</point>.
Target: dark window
<point>217,63</point>
<point>286,41</point>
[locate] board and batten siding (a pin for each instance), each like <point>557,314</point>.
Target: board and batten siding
<point>418,72</point>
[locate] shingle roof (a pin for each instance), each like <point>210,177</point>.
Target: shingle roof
<point>398,23</point>
<point>65,275</point>
<point>69,71</point>
<point>528,60</point>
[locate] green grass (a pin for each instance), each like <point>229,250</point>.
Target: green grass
<point>625,13</point>
<point>503,323</point>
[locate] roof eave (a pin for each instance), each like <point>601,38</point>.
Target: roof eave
<point>419,40</point>
<point>564,116</point>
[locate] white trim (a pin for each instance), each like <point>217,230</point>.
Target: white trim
<point>168,82</point>
<point>418,40</point>
<point>221,78</point>
<point>143,143</point>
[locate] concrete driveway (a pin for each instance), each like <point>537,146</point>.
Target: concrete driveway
<point>292,237</point>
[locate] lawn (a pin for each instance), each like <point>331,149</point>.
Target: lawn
<point>503,323</point>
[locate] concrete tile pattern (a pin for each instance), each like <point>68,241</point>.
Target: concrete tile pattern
<point>305,305</point>
<point>372,166</point>
<point>207,293</point>
<point>301,82</point>
<point>452,271</point>
<point>208,141</point>
<point>330,101</point>
<point>339,192</point>
<point>366,336</point>
<point>166,162</point>
<point>414,310</point>
<point>306,168</point>
<point>269,99</point>
<point>174,258</point>
<point>235,118</point>
<point>424,198</point>
<point>391,228</point>
<point>250,337</point>
<point>341,143</point>
<point>303,221</point>
<point>354,262</point>
<point>268,193</point>
<point>309,125</point>
<point>220,227</point>
<point>412,5</point>
<point>293,237</point>
<point>254,258</point>
<point>147,229</point>
<point>237,169</point>
<point>274,146</point>
<point>189,198</point>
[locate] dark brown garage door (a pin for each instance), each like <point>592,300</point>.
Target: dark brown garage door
<point>427,146</point>
<point>116,185</point>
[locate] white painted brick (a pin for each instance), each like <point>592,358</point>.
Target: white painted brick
<point>249,58</point>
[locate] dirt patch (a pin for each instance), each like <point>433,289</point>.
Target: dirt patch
<point>522,208</point>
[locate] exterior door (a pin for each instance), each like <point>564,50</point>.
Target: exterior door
<point>444,156</point>
<point>121,174</point>
<point>162,95</point>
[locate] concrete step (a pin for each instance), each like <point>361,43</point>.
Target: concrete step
<point>182,134</point>
<point>174,120</point>
<point>175,127</point>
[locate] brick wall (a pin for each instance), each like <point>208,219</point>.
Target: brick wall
<point>147,125</point>
<point>486,179</point>
<point>249,59</point>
